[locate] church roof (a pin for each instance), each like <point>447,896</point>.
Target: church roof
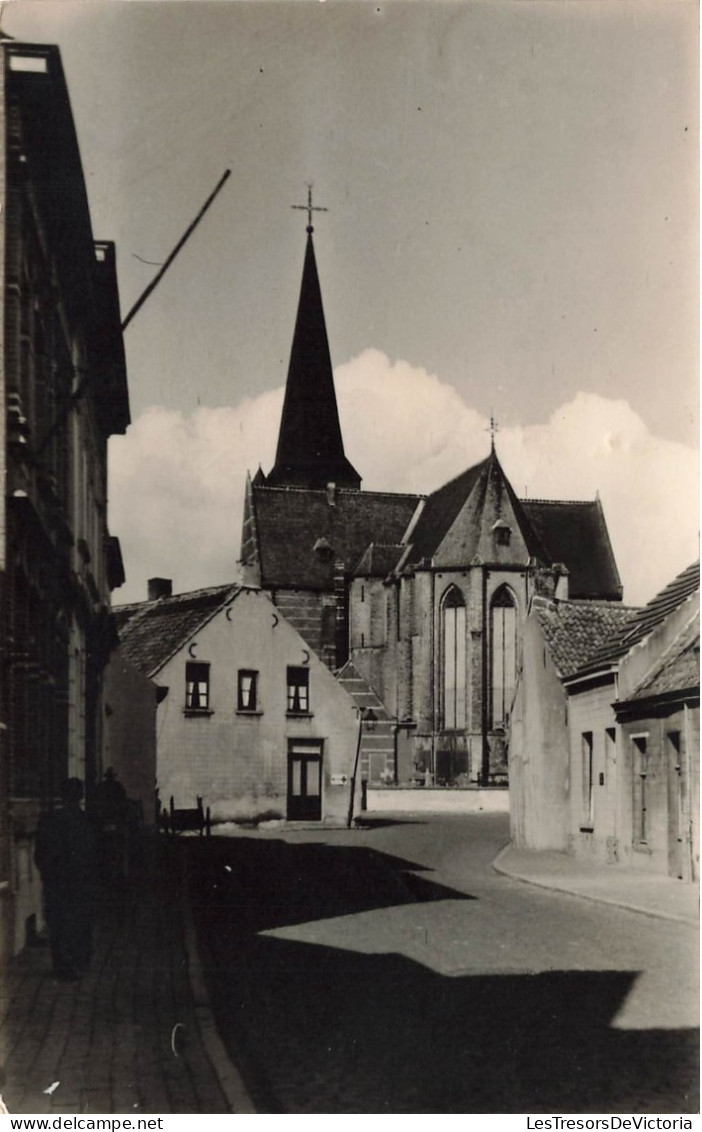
<point>151,632</point>
<point>290,521</point>
<point>573,630</point>
<point>443,507</point>
<point>645,620</point>
<point>439,512</point>
<point>575,533</point>
<point>310,449</point>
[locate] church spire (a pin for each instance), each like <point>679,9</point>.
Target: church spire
<point>310,449</point>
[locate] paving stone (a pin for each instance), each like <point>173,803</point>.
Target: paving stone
<point>107,1038</point>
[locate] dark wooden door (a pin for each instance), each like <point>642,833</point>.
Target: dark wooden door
<point>304,782</point>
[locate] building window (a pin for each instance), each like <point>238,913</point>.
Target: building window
<point>453,666</point>
<point>197,686</point>
<point>247,690</point>
<point>503,667</point>
<point>502,533</point>
<point>640,800</point>
<point>587,812</point>
<point>610,754</point>
<point>298,691</point>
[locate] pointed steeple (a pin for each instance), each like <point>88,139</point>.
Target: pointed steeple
<point>310,449</point>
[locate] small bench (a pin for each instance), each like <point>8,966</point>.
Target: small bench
<point>193,820</point>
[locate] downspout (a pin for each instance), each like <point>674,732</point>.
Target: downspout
<point>485,770</point>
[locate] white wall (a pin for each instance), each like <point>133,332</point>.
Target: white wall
<point>238,762</point>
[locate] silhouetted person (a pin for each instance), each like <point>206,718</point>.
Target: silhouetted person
<point>66,856</point>
<point>111,798</point>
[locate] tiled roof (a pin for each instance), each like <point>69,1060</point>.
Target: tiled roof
<point>289,522</point>
<point>443,507</point>
<point>574,629</point>
<point>575,533</point>
<point>645,620</point>
<point>678,668</point>
<point>150,632</point>
<point>379,559</point>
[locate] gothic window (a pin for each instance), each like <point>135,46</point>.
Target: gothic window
<point>453,661</point>
<point>503,643</point>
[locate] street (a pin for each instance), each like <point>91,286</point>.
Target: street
<point>392,970</point>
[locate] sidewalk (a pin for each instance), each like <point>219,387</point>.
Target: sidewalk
<point>136,1035</point>
<point>610,884</point>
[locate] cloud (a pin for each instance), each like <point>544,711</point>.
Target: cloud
<point>177,480</point>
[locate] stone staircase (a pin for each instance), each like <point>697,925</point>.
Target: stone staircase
<point>377,759</point>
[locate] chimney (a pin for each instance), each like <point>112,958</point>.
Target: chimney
<point>159,587</point>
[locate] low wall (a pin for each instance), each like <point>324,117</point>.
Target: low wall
<point>431,800</point>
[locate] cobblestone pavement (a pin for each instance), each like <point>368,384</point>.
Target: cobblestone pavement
<point>125,1039</point>
<point>392,970</point>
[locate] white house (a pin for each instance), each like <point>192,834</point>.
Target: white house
<point>249,718</point>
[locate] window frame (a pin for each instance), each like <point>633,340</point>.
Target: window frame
<point>193,692</point>
<point>252,707</point>
<point>454,665</point>
<point>297,690</point>
<point>639,830</point>
<point>503,598</point>
<point>587,781</point>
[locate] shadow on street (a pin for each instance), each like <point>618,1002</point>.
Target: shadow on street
<point>319,1029</point>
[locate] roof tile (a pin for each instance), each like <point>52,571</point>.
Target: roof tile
<point>645,620</point>
<point>291,520</point>
<point>574,629</point>
<point>575,533</point>
<point>678,668</point>
<point>151,632</point>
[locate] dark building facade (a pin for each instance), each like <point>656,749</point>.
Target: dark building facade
<point>64,393</point>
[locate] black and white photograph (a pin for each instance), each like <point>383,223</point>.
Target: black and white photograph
<point>349,561</point>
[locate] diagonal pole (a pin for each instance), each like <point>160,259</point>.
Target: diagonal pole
<point>188,232</point>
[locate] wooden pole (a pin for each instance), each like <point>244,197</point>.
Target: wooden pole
<point>188,232</point>
<point>355,768</point>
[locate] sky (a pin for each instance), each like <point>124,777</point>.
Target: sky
<point>512,229</point>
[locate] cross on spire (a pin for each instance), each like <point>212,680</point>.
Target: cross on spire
<point>309,208</point>
<point>492,429</point>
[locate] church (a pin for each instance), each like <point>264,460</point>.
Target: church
<point>417,603</point>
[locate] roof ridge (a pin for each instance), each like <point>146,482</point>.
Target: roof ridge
<point>340,491</point>
<point>677,645</point>
<point>561,502</point>
<point>646,620</point>
<point>176,597</point>
<point>455,479</point>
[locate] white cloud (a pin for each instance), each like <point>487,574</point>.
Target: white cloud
<point>177,481</point>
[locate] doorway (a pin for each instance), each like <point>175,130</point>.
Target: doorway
<point>304,780</point>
